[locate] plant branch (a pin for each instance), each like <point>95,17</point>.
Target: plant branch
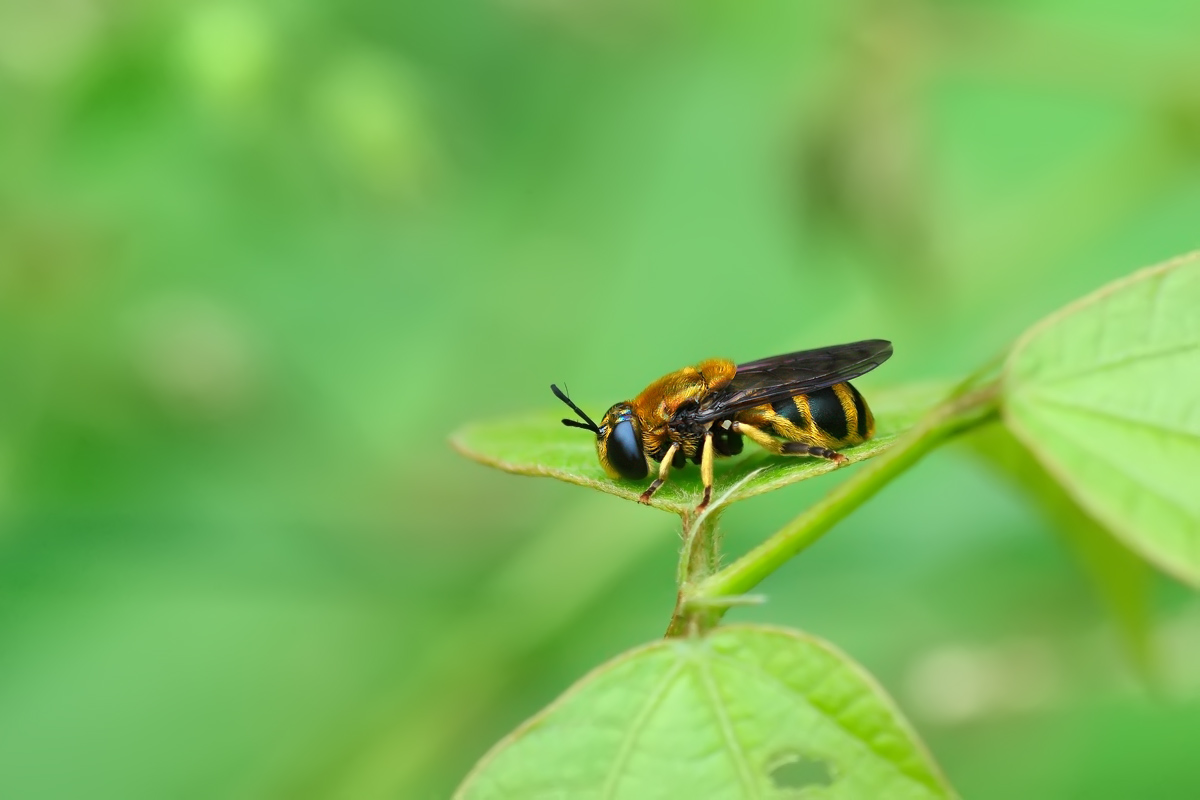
<point>953,417</point>
<point>700,557</point>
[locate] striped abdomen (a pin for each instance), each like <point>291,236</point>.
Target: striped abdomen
<point>833,417</point>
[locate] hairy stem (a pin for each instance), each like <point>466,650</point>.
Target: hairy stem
<point>698,559</point>
<point>957,415</point>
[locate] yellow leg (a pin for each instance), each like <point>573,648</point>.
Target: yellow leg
<point>706,471</point>
<point>768,442</point>
<point>760,437</point>
<point>664,470</point>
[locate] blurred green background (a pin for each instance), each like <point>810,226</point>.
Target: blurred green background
<point>257,260</point>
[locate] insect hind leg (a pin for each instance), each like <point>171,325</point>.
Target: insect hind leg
<point>801,449</point>
<point>769,443</point>
<point>760,437</point>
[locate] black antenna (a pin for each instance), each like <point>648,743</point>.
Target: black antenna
<point>591,426</point>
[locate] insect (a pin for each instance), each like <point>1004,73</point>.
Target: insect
<point>798,404</point>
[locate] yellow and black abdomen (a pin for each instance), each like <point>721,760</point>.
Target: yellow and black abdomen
<point>834,417</point>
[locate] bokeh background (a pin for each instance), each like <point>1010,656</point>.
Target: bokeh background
<point>258,260</point>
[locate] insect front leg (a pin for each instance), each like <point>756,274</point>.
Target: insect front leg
<point>664,470</point>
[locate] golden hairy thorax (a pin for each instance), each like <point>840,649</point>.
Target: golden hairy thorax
<point>657,404</point>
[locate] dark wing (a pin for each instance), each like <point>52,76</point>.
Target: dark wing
<point>771,379</point>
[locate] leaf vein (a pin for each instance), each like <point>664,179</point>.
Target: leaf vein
<point>1113,415</point>
<point>635,728</point>
<point>867,743</point>
<point>1148,489</point>
<point>749,785</point>
<point>1117,363</point>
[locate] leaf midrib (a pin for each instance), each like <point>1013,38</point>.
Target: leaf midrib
<point>636,727</point>
<point>749,785</point>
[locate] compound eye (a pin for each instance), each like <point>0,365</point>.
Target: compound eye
<point>625,451</point>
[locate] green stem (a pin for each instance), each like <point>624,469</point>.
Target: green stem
<point>957,415</point>
<point>698,559</point>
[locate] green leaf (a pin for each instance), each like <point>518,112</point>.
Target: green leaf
<point>745,712</point>
<point>1120,577</point>
<point>1106,395</point>
<point>540,445</point>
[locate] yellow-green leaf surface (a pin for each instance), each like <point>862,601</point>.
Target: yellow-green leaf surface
<point>745,712</point>
<point>540,445</point>
<point>1106,394</point>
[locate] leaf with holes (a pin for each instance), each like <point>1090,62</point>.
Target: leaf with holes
<point>540,445</point>
<point>745,712</point>
<point>1106,395</point>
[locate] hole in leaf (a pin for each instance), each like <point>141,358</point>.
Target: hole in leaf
<point>795,772</point>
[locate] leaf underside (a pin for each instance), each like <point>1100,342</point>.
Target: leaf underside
<point>724,716</point>
<point>1106,394</point>
<point>540,445</point>
<point>1120,576</point>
